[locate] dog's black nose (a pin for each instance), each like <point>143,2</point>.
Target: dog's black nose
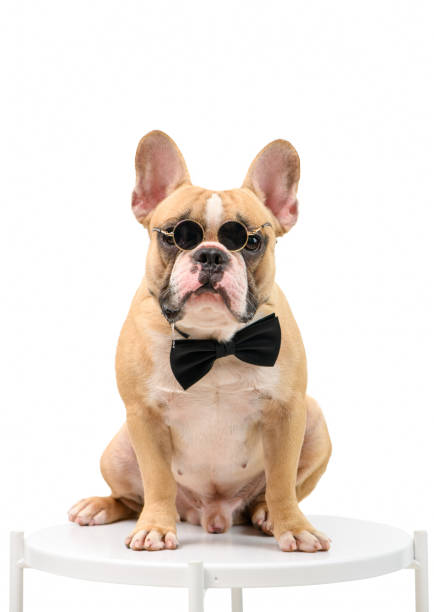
<point>211,258</point>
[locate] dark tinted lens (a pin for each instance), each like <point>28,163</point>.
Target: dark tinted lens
<point>187,235</point>
<point>232,235</point>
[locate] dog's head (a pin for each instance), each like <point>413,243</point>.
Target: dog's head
<point>211,283</point>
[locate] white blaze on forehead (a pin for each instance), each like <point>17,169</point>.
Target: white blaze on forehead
<point>214,211</point>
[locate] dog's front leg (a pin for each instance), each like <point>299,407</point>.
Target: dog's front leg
<point>150,436</point>
<point>283,431</point>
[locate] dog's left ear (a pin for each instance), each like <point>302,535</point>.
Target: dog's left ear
<point>273,176</point>
<point>160,169</point>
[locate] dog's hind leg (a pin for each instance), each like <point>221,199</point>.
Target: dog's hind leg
<point>315,452</point>
<point>121,472</point>
<point>99,511</point>
<point>259,515</point>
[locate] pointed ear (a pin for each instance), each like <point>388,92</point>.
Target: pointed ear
<point>160,169</point>
<point>273,176</point>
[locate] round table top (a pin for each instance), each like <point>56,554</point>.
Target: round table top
<point>242,557</point>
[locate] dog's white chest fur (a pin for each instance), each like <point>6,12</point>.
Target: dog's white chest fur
<point>215,424</point>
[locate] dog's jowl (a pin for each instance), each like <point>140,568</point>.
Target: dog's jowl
<point>210,364</point>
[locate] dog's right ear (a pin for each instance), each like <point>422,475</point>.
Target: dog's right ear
<point>160,169</point>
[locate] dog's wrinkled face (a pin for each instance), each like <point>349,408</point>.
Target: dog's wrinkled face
<point>211,280</point>
<point>209,285</point>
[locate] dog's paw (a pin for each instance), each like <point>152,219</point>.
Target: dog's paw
<point>304,541</point>
<point>152,539</point>
<point>293,532</point>
<point>98,511</point>
<point>261,519</point>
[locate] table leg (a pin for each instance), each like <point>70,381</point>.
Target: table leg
<point>196,589</point>
<point>237,599</point>
<point>16,571</point>
<point>421,570</point>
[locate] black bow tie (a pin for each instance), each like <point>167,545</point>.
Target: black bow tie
<point>258,343</point>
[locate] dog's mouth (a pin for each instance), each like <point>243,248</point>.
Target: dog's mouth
<point>205,288</point>
<point>210,293</point>
<point>207,295</point>
<point>207,292</point>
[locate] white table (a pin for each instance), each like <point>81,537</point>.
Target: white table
<point>243,557</point>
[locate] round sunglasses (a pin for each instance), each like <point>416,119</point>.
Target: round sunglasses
<point>188,234</point>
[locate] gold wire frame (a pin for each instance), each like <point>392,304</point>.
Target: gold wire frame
<point>248,233</point>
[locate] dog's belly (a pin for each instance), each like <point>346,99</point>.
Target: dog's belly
<point>216,440</point>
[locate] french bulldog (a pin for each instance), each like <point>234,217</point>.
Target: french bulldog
<point>243,442</point>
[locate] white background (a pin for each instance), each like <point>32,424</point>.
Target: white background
<point>350,85</point>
